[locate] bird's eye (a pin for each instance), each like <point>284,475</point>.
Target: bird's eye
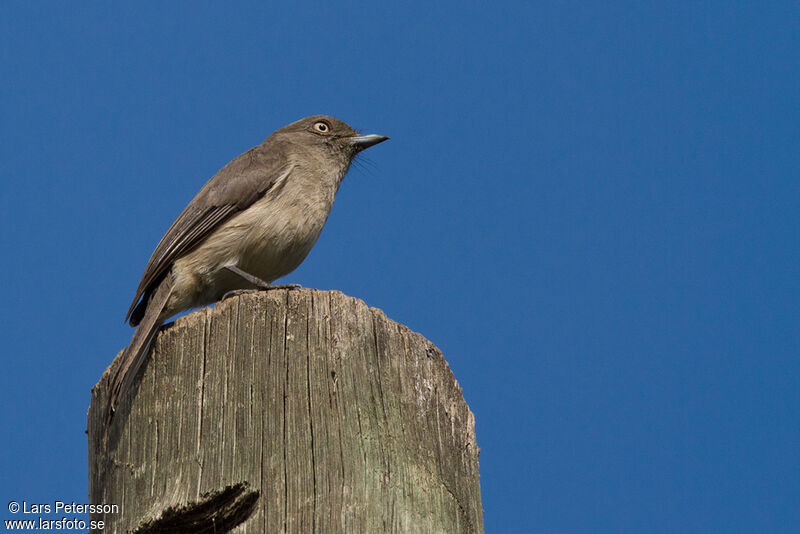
<point>322,127</point>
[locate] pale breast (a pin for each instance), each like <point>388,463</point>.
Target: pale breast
<point>269,239</point>
<point>283,227</point>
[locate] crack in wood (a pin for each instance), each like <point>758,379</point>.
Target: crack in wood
<point>216,512</point>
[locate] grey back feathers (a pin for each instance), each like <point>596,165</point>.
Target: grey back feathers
<point>234,188</point>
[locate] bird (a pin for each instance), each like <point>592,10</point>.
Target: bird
<point>253,222</point>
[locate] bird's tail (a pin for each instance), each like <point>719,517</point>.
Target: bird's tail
<point>136,352</point>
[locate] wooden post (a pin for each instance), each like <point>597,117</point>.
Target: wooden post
<point>288,411</point>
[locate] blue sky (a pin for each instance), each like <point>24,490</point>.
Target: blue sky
<point>591,208</point>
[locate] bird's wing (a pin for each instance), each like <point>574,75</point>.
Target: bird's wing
<point>234,188</point>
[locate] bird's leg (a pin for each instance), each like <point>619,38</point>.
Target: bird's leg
<point>256,281</point>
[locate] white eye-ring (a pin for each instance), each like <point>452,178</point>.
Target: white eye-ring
<point>322,127</point>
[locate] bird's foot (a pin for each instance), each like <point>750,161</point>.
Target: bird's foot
<point>237,292</point>
<point>283,286</point>
<point>256,281</point>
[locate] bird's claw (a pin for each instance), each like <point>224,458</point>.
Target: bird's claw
<point>237,292</point>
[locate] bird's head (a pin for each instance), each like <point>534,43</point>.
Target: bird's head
<point>332,135</point>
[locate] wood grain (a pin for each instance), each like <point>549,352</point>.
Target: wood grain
<point>335,417</point>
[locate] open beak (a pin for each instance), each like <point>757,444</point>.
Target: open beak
<point>365,141</point>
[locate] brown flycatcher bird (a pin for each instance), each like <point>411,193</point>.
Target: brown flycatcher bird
<point>253,222</point>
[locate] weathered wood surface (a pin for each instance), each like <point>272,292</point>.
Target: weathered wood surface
<point>321,411</point>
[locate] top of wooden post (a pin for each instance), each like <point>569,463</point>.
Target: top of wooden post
<point>322,413</point>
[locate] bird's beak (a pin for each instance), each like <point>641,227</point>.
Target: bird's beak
<point>365,141</point>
